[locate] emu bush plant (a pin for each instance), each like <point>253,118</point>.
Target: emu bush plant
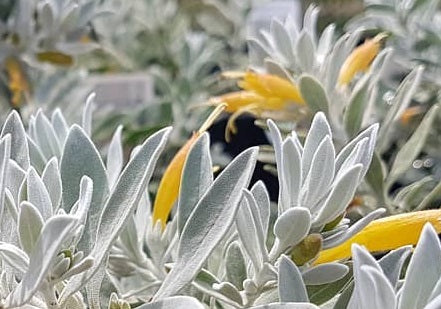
<point>78,229</point>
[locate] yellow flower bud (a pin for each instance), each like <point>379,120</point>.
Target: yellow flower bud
<point>386,234</point>
<point>360,59</point>
<point>18,84</point>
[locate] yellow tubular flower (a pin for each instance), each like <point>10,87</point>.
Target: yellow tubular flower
<point>271,86</point>
<point>360,59</point>
<point>386,234</point>
<point>18,85</point>
<point>168,189</point>
<point>261,93</point>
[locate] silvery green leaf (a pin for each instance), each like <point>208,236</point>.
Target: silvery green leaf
<point>14,257</point>
<point>310,20</point>
<point>228,290</point>
<point>37,158</point>
<point>411,149</point>
<point>10,205</point>
<point>176,302</point>
<point>322,294</point>
<point>291,175</point>
<point>325,273</point>
<point>375,289</point>
<point>45,136</point>
<point>320,175</point>
<point>275,68</point>
<point>224,292</point>
<point>423,271</point>
<point>380,63</point>
<point>262,199</point>
<point>340,196</point>
<point>375,176</point>
<point>361,257</point>
<point>52,180</point>
<point>115,158</point>
<point>434,304</point>
<point>276,139</point>
<point>86,121</point>
<point>318,131</point>
<point>337,239</point>
<point>60,126</point>
<point>54,232</point>
<point>291,286</point>
<point>399,103</point>
<point>436,291</point>
<point>355,111</point>
<point>256,218</point>
<point>292,226</point>
<point>209,222</point>
<point>120,205</point>
<point>85,198</point>
<point>257,52</point>
<point>314,94</point>
<point>19,144</point>
<point>5,153</point>
<point>14,179</point>
<point>197,176</point>
<point>235,267</point>
<point>305,52</point>
<point>325,42</point>
<point>248,234</point>
<point>287,306</point>
<point>80,157</point>
<point>282,40</point>
<point>30,223</point>
<point>38,195</point>
<point>393,262</point>
<point>367,152</point>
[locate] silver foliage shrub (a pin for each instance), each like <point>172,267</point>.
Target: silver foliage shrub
<point>76,232</point>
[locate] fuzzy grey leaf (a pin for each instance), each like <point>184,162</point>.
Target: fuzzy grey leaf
<point>325,273</point>
<point>14,257</point>
<point>19,144</point>
<point>197,176</point>
<point>262,198</point>
<point>38,195</point>
<point>120,205</point>
<point>80,158</point>
<point>318,131</point>
<point>413,146</point>
<point>236,271</point>
<point>292,226</point>
<point>176,302</point>
<point>314,94</point>
<point>52,180</point>
<point>340,196</point>
<point>423,271</point>
<point>30,223</point>
<point>291,286</point>
<point>393,262</point>
<point>54,232</point>
<point>115,158</point>
<point>287,306</point>
<point>209,222</point>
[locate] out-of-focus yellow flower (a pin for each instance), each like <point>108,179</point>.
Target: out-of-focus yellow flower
<point>410,113</point>
<point>386,234</point>
<point>168,189</point>
<point>360,59</point>
<point>17,83</point>
<point>55,57</point>
<point>260,93</point>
